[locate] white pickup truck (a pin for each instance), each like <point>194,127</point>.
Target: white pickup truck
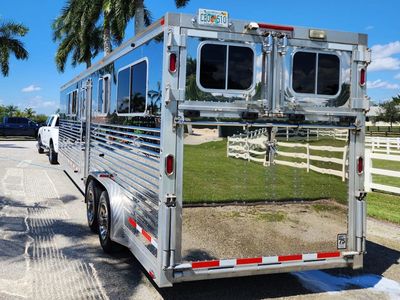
<point>48,138</point>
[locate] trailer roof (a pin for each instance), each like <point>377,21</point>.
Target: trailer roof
<point>236,26</point>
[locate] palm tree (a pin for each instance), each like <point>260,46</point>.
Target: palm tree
<point>140,12</point>
<point>11,110</point>
<point>9,43</point>
<point>78,33</point>
<point>29,112</point>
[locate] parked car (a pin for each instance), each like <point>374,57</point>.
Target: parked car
<point>48,138</point>
<point>18,126</point>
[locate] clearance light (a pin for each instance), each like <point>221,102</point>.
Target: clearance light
<point>169,165</point>
<point>317,34</point>
<point>363,76</point>
<point>275,27</point>
<point>172,62</point>
<point>360,165</point>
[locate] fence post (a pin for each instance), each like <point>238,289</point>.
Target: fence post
<point>308,135</point>
<point>287,133</point>
<point>308,158</point>
<point>344,163</point>
<point>367,170</point>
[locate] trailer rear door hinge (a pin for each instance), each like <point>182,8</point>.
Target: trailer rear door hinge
<point>363,55</point>
<point>174,95</point>
<point>170,200</point>
<point>176,40</point>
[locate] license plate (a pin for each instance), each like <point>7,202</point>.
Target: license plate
<point>213,18</point>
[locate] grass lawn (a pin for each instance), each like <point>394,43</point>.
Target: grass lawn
<point>209,176</point>
<point>384,207</point>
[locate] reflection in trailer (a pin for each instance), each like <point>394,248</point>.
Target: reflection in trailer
<point>253,190</point>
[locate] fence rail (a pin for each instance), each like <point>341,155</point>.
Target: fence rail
<point>370,171</point>
<point>383,144</point>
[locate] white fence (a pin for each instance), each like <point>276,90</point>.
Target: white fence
<point>309,158</point>
<point>253,147</point>
<point>383,144</point>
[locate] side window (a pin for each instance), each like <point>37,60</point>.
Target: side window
<point>316,73</point>
<point>132,89</point>
<point>57,122</point>
<point>226,67</point>
<point>50,121</point>
<point>104,92</point>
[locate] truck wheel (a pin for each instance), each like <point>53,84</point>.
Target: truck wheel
<point>39,145</point>
<point>104,220</point>
<point>92,200</point>
<point>53,156</point>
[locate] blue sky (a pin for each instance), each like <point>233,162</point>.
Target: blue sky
<point>36,82</point>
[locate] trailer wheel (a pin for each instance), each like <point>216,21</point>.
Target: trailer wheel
<point>104,220</point>
<point>92,200</point>
<point>53,156</point>
<point>39,145</point>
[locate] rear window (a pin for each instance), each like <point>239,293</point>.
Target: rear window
<point>226,67</point>
<point>14,120</point>
<point>316,73</point>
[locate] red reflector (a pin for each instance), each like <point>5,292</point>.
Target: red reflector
<point>152,275</point>
<point>205,264</point>
<point>362,77</point>
<point>245,261</point>
<point>172,62</point>
<point>328,255</point>
<point>290,257</point>
<point>169,165</point>
<point>162,22</point>
<point>360,165</point>
<point>275,27</point>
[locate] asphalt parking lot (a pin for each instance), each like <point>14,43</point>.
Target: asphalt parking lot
<point>48,252</point>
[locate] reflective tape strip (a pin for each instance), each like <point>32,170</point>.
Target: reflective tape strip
<point>145,234</point>
<point>266,260</point>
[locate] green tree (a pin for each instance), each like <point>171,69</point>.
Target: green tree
<point>140,12</point>
<point>390,112</point>
<point>10,44</point>
<point>77,33</point>
<point>11,110</point>
<point>29,112</point>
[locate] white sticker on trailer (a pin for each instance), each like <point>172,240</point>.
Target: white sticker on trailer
<point>210,17</point>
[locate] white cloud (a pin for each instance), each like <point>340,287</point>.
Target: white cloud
<point>381,84</point>
<point>397,76</point>
<point>31,88</point>
<point>38,102</point>
<point>382,57</point>
<point>369,27</point>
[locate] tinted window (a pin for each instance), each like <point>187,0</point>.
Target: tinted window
<point>304,72</point>
<point>58,122</point>
<point>101,96</point>
<point>50,121</point>
<point>316,73</point>
<point>132,86</point>
<point>240,68</point>
<point>328,74</point>
<point>74,99</point>
<point>123,91</point>
<point>213,66</point>
<point>138,84</point>
<point>17,120</point>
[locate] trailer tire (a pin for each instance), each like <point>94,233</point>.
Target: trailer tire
<point>92,200</point>
<point>53,156</point>
<point>104,221</point>
<point>39,145</point>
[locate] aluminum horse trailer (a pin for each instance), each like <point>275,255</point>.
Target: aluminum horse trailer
<point>189,211</point>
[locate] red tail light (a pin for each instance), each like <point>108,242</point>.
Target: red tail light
<point>169,165</point>
<point>362,77</point>
<point>360,165</point>
<point>172,62</point>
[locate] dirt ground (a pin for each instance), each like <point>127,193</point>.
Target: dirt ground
<point>201,136</point>
<point>262,230</point>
